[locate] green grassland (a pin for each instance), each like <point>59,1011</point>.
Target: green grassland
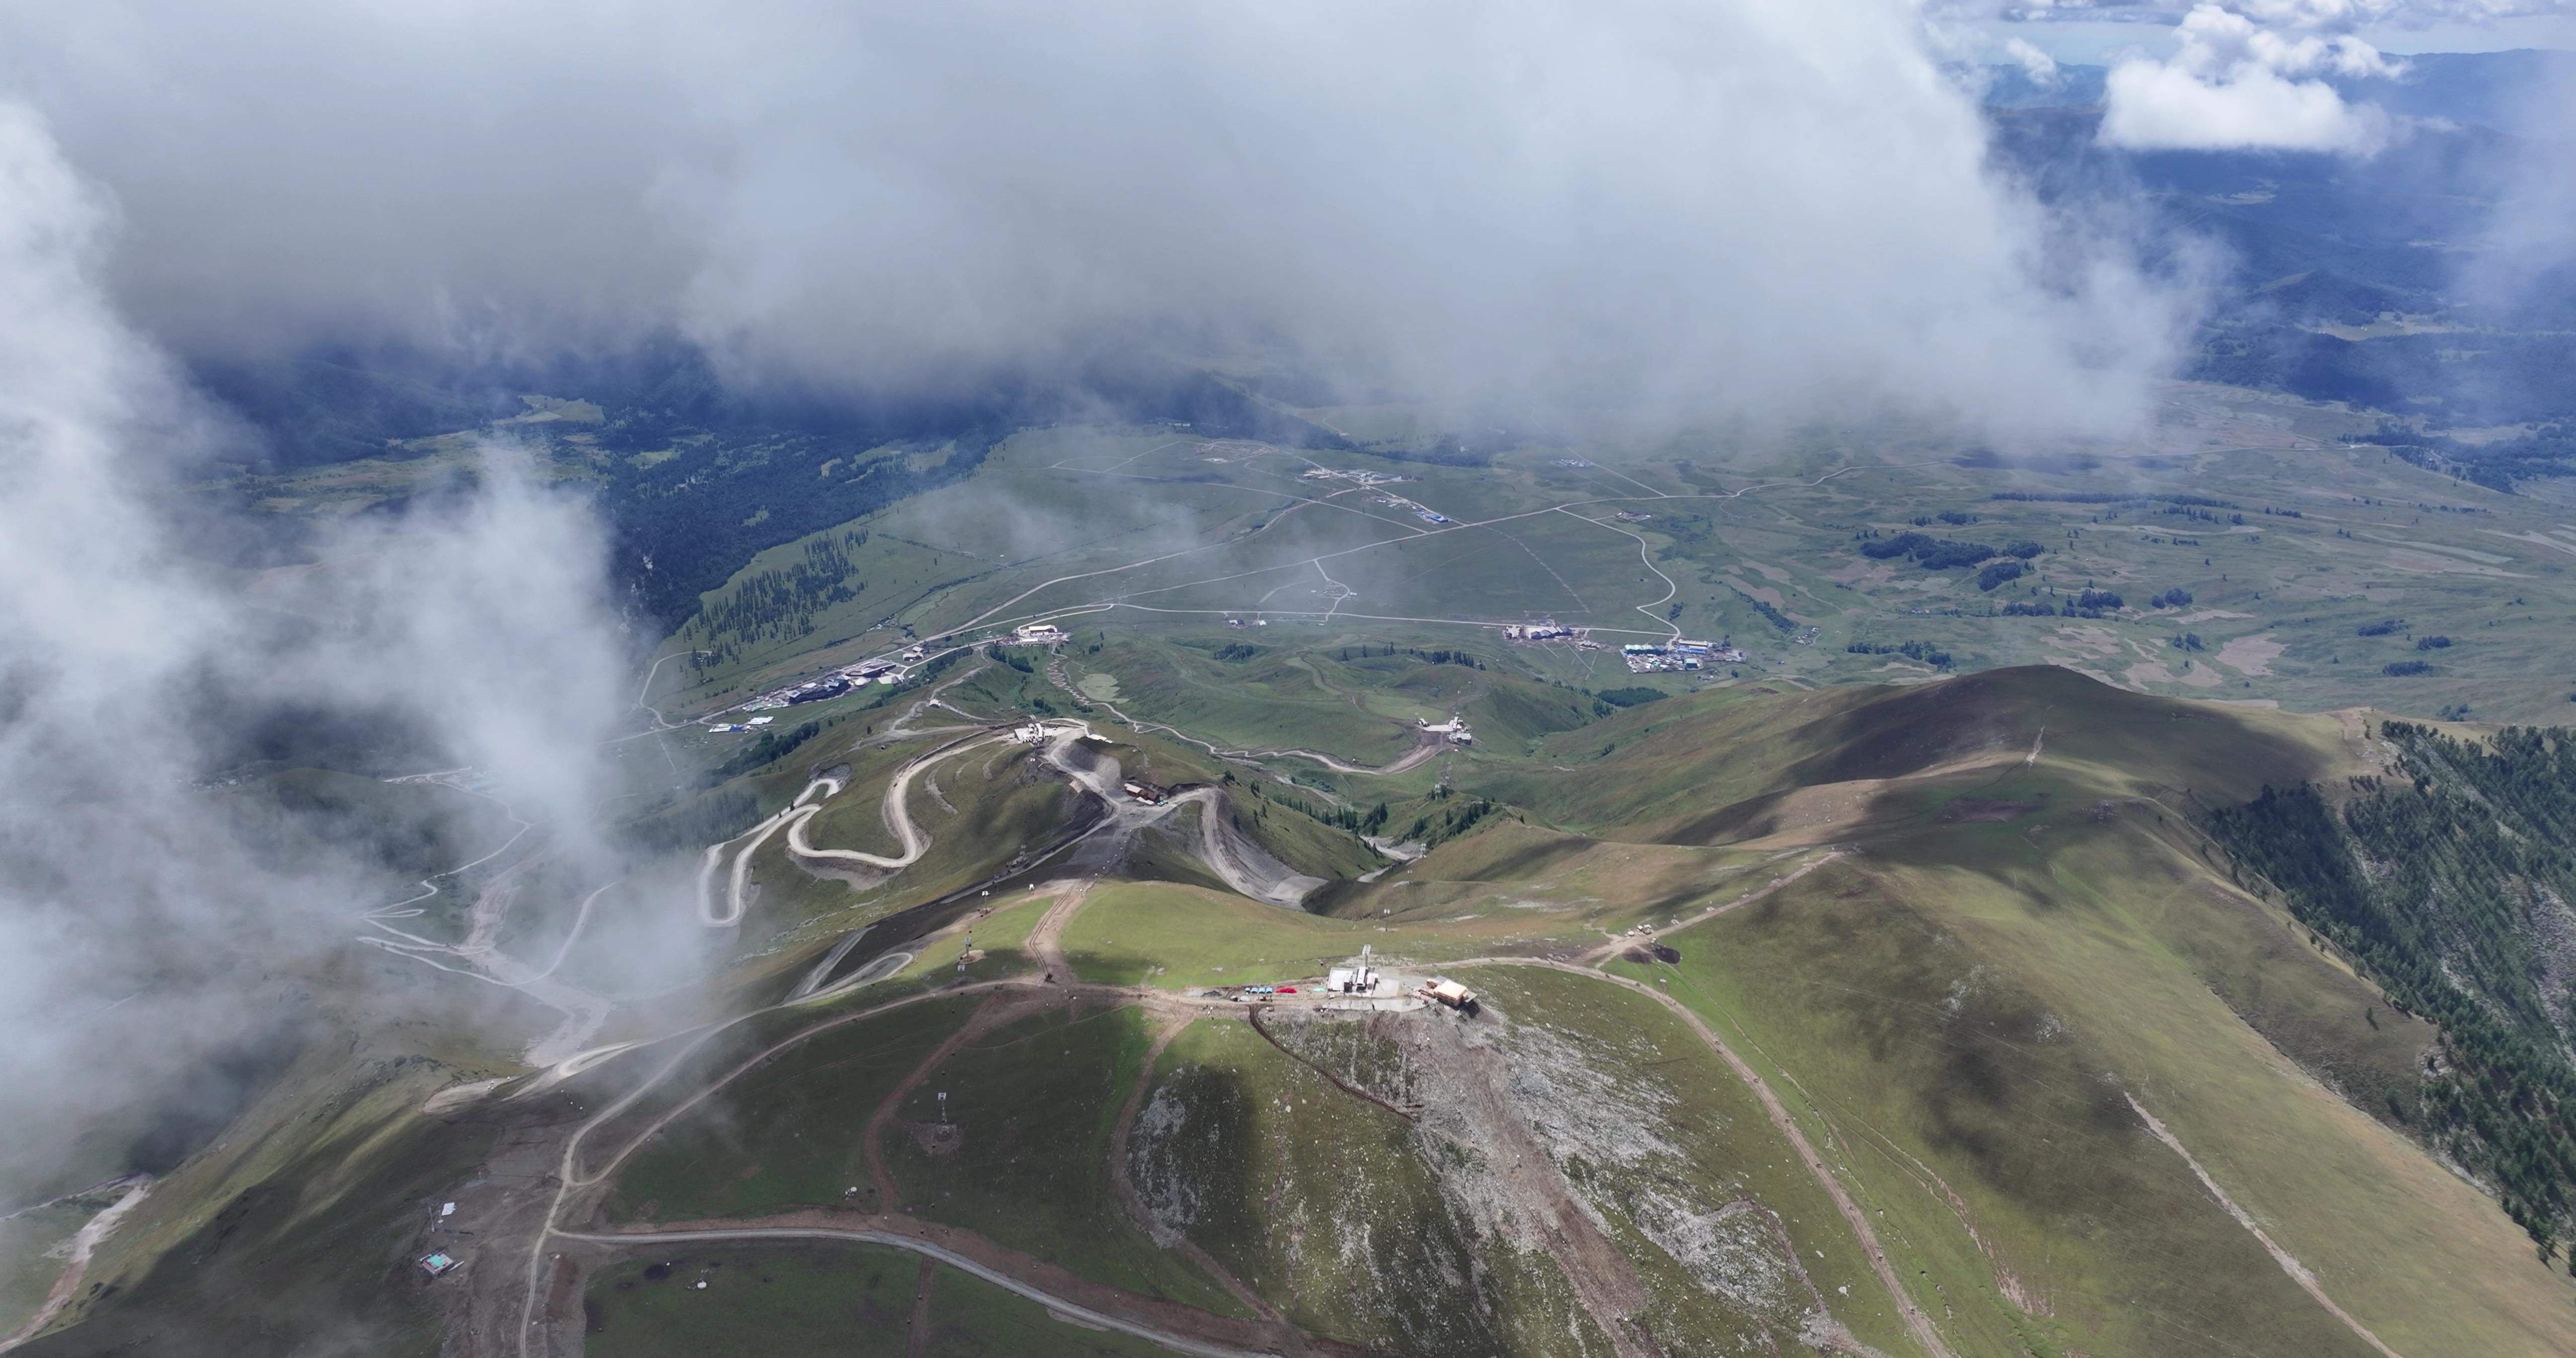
<point>1001,938</point>
<point>28,1266</point>
<point>301,1221</point>
<point>2023,925</point>
<point>788,1130</point>
<point>1171,533</point>
<point>805,1298</point>
<point>971,1318</point>
<point>819,1298</point>
<point>1034,1103</point>
<point>1939,1024</point>
<point>1661,1139</point>
<point>1973,988</point>
<point>1180,935</point>
<point>1332,1210</point>
<point>990,806</point>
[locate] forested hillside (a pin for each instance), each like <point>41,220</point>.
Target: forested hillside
<point>2451,885</point>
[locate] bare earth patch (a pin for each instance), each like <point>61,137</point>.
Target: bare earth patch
<point>2157,672</point>
<point>1982,809</point>
<point>2251,655</point>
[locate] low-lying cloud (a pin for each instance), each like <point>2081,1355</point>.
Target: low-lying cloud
<point>148,920</point>
<point>1771,207</point>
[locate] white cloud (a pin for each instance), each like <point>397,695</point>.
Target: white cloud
<point>2236,83</point>
<point>140,916</point>
<point>2034,63</point>
<point>1767,206</point>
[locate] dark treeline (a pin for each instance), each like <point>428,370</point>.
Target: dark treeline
<point>2547,450</point>
<point>694,824</point>
<point>1434,657</point>
<point>1923,651</point>
<point>773,745</point>
<point>687,522</point>
<point>701,474</point>
<point>779,604</point>
<point>2445,884</point>
<point>1339,817</point>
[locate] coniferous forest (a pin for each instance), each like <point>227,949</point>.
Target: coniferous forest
<point>2450,883</point>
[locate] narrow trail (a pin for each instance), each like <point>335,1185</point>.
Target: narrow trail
<point>85,1242</point>
<point>993,616</point>
<point>1054,1302</point>
<point>1916,1322</point>
<point>579,1183</point>
<point>996,1010</point>
<point>1123,1184</point>
<point>1239,861</point>
<point>1336,1081</point>
<point>1644,557</point>
<point>916,1337</point>
<point>1046,938</point>
<point>1411,759</point>
<point>895,810</point>
<point>569,1178</point>
<point>2289,1263</point>
<point>1614,947</point>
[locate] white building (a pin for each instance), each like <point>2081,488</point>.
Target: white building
<point>1359,978</point>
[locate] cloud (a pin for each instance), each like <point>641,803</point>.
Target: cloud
<point>2034,63</point>
<point>2234,83</point>
<point>2527,257</point>
<point>150,923</point>
<point>2344,14</point>
<point>1769,207</point>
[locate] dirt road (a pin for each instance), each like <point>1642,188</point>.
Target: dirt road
<point>1060,1305</point>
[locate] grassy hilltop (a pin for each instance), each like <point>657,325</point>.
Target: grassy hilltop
<point>1970,965</point>
<point>2091,949</point>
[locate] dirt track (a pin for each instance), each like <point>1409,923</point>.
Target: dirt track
<point>1916,1322</point>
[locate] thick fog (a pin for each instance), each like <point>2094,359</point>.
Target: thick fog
<point>1768,206</point>
<point>149,924</point>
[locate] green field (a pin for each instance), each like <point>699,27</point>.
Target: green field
<point>2331,538</point>
<point>819,1298</point>
<point>792,1125</point>
<point>1133,933</point>
<point>1997,925</point>
<point>1032,1104</point>
<point>1331,1210</point>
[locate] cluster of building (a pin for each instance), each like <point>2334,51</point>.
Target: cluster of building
<point>1677,655</point>
<point>1356,477</point>
<point>1454,730</point>
<point>1544,631</point>
<point>1373,480</point>
<point>844,680</point>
